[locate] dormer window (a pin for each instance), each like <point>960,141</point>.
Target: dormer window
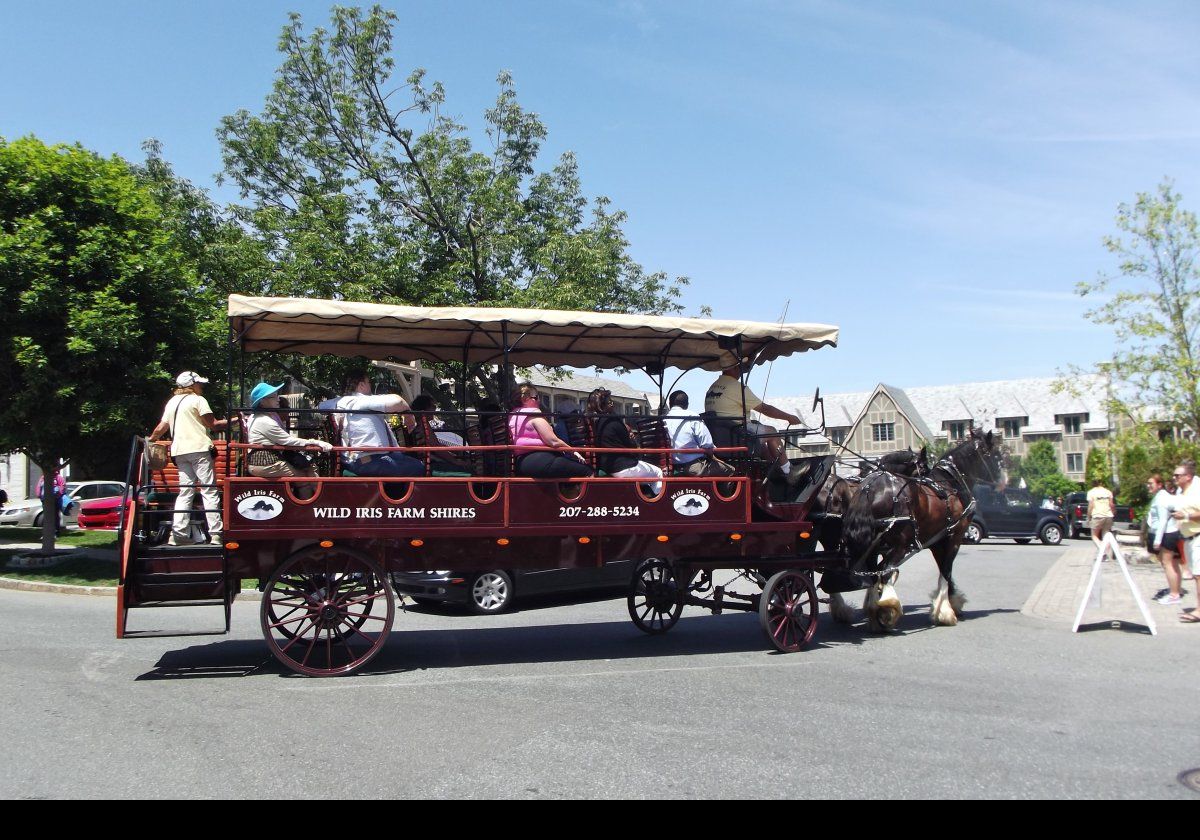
<point>1011,428</point>
<point>957,429</point>
<point>1072,425</point>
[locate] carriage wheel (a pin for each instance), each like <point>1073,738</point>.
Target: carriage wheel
<point>280,612</point>
<point>788,610</point>
<point>327,612</point>
<point>655,597</point>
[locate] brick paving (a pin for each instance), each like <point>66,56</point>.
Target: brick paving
<point>1057,595</point>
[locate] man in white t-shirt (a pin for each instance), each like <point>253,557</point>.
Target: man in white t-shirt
<point>724,399</point>
<point>188,419</point>
<point>364,424</point>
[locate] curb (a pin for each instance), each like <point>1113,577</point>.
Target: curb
<point>18,585</point>
<point>59,588</point>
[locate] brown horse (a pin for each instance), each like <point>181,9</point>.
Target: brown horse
<point>893,517</point>
<point>833,500</point>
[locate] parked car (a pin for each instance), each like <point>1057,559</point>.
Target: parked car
<point>1077,518</point>
<point>493,591</point>
<point>1013,514</point>
<point>29,512</point>
<point>103,514</point>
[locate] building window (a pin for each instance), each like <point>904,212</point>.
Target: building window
<point>958,429</point>
<point>883,431</point>
<point>1074,462</point>
<point>1072,425</point>
<point>837,436</point>
<point>1012,428</point>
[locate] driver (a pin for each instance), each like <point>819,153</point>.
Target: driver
<point>724,399</point>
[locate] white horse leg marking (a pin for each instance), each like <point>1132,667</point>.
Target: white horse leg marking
<point>839,610</point>
<point>942,611</point>
<point>889,607</point>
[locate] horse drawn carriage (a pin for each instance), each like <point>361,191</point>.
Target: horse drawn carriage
<point>325,557</point>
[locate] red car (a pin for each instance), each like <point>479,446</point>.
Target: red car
<point>101,514</point>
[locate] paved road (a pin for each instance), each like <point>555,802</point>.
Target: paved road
<point>567,699</point>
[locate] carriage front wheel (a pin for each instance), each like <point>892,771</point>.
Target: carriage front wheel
<point>655,597</point>
<point>327,611</point>
<point>787,610</point>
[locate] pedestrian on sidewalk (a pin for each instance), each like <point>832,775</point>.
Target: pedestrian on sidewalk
<point>1100,512</point>
<point>1187,515</point>
<point>1164,539</point>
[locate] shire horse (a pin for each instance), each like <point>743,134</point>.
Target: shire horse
<point>893,517</point>
<point>833,499</point>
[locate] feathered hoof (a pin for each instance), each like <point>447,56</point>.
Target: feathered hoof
<point>957,601</point>
<point>942,613</point>
<point>840,611</point>
<point>888,609</point>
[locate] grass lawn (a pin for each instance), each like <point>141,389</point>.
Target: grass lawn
<point>74,537</point>
<point>80,571</point>
<point>77,571</point>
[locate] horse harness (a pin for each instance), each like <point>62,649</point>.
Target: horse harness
<point>888,523</point>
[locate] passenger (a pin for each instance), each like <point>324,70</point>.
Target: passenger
<point>447,460</point>
<point>567,406</point>
<point>527,428</point>
<point>365,425</point>
<point>724,399</point>
<point>265,429</point>
<point>691,433</point>
<point>188,419</point>
<point>612,433</point>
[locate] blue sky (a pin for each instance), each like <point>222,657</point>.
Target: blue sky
<point>933,177</point>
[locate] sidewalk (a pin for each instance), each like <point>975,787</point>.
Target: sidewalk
<point>1057,596</point>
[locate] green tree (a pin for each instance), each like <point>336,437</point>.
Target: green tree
<point>1153,304</point>
<point>363,190</point>
<point>1098,467</point>
<point>1039,468</point>
<point>99,306</point>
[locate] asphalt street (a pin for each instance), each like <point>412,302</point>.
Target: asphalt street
<point>565,698</point>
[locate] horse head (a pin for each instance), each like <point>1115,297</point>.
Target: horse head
<point>985,458</point>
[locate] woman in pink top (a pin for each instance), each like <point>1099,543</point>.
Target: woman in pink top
<point>529,428</point>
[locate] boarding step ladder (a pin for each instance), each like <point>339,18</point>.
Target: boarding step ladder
<point>155,574</point>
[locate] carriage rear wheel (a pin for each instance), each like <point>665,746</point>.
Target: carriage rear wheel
<point>787,610</point>
<point>327,612</point>
<point>655,597</point>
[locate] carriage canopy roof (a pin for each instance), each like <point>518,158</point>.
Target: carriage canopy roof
<point>535,336</point>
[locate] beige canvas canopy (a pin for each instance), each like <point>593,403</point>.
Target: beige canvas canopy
<point>534,336</point>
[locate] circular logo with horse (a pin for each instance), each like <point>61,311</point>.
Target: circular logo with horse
<point>259,506</point>
<point>690,504</point>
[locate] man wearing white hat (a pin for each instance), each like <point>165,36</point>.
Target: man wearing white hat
<point>188,419</point>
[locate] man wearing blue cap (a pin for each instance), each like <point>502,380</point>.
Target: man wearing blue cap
<point>365,425</point>
<point>266,430</point>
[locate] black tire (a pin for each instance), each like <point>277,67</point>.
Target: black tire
<point>974,534</point>
<point>37,521</point>
<point>1051,534</point>
<point>1023,540</point>
<point>490,592</point>
<point>655,598</point>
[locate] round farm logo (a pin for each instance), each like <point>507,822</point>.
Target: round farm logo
<point>259,506</point>
<point>690,502</point>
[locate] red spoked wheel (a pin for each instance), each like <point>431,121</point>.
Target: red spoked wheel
<point>327,612</point>
<point>655,597</point>
<point>787,610</point>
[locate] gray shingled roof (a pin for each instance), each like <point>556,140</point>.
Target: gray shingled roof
<point>986,403</point>
<point>581,382</point>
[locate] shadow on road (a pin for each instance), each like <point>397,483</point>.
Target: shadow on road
<point>488,645</point>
